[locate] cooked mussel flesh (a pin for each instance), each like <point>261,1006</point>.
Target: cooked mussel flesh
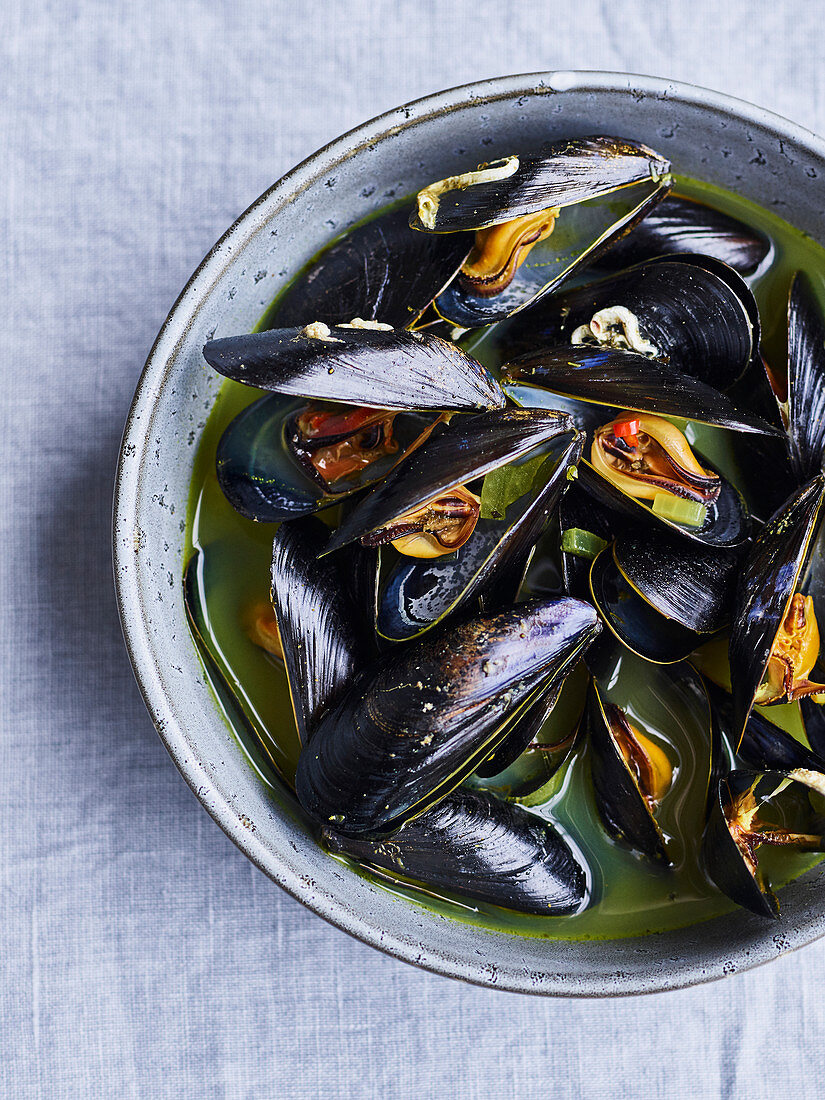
<point>476,846</point>
<point>747,811</point>
<point>631,775</point>
<point>774,643</point>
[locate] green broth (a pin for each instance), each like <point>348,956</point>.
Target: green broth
<point>631,896</point>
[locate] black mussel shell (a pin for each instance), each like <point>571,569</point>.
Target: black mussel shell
<point>688,584</point>
<point>724,861</point>
<point>768,578</point>
<point>374,368</point>
<point>726,524</point>
<point>622,807</point>
<point>561,173</point>
<point>633,621</point>
<point>580,235</point>
<point>324,614</point>
<point>379,270</point>
<point>806,379</point>
<point>416,594</point>
<point>686,316</point>
<point>523,733</point>
<point>680,224</point>
<point>765,746</point>
<point>581,515</point>
<point>586,417</point>
<point>264,482</point>
<point>624,380</point>
<point>524,768</point>
<point>418,722</point>
<point>469,448</point>
<point>473,844</point>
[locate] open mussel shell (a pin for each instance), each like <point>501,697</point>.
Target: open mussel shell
<point>621,802</point>
<point>738,815</point>
<point>263,480</point>
<point>679,224</point>
<point>632,620</point>
<point>324,615</point>
<point>374,368</point>
<point>474,845</point>
<point>580,234</point>
<point>560,173</point>
<point>726,523</point>
<point>469,448</point>
<point>415,594</point>
<point>806,379</point>
<point>687,584</point>
<point>380,271</point>
<point>626,380</point>
<point>775,568</point>
<point>676,312</point>
<point>420,720</point>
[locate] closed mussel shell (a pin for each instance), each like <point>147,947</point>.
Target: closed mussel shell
<point>771,574</point>
<point>680,224</point>
<point>474,845</point>
<point>412,727</point>
<point>676,312</point>
<point>378,368</point>
<point>380,271</point>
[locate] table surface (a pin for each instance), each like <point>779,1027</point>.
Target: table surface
<point>140,953</point>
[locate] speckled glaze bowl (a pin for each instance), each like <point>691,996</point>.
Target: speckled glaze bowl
<point>726,142</point>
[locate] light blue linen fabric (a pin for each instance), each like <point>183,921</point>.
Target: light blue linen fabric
<point>141,955</point>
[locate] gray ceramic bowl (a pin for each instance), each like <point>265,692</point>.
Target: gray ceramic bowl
<point>706,135</point>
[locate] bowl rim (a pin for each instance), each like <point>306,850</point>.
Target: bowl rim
<point>152,679</point>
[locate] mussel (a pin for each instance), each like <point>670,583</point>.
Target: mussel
<point>676,311</point>
<point>324,612</point>
<point>631,775</point>
<point>805,408</point>
<point>634,621</point>
<point>425,510</point>
<point>420,719</point>
<point>649,735</point>
<point>474,845</point>
<point>367,364</point>
<point>281,457</point>
<point>514,205</point>
<point>680,224</point>
<point>750,809</point>
<point>638,457</point>
<point>378,270</point>
<point>774,642</point>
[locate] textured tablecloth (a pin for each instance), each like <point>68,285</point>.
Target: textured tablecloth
<point>140,953</point>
